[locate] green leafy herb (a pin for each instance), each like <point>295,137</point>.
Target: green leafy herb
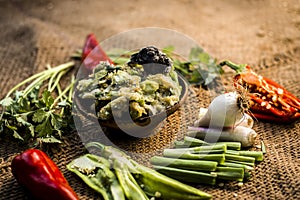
<point>200,68</point>
<point>38,114</point>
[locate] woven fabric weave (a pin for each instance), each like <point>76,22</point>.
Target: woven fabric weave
<point>34,34</point>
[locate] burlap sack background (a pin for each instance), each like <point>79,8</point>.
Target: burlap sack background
<point>264,34</point>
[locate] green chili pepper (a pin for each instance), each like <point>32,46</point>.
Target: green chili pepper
<point>131,189</point>
<point>96,173</point>
<point>153,183</point>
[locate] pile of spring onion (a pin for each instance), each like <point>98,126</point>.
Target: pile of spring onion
<point>196,161</point>
<point>211,151</point>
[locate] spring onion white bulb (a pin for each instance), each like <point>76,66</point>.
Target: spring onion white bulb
<point>224,111</point>
<point>246,121</point>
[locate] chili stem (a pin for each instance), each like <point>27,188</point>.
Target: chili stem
<point>235,67</point>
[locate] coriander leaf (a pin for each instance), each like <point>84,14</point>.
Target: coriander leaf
<point>22,119</point>
<point>200,69</point>
<point>40,115</point>
<point>196,77</point>
<point>204,57</point>
<point>195,52</point>
<point>34,93</point>
<point>209,79</point>
<point>6,101</point>
<point>56,122</point>
<point>31,130</point>
<point>1,127</point>
<point>182,67</point>
<point>17,136</point>
<point>44,128</point>
<point>47,99</point>
<point>23,105</point>
<point>14,128</point>
<point>59,133</point>
<point>18,95</point>
<point>50,140</point>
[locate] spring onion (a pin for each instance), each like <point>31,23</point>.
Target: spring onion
<point>238,134</point>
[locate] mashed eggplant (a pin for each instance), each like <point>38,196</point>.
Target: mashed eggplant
<point>132,88</point>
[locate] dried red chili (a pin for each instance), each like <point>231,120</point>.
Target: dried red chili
<point>269,101</point>
<point>92,54</point>
<point>40,176</point>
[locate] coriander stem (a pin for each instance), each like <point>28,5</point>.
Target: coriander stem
<point>24,82</point>
<point>46,75</point>
<point>35,83</point>
<point>60,74</point>
<point>61,95</point>
<point>59,91</point>
<point>51,80</point>
<point>35,76</point>
<point>72,89</point>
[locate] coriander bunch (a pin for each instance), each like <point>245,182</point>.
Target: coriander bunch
<point>40,112</point>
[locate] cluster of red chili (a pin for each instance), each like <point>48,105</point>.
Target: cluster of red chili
<point>269,101</point>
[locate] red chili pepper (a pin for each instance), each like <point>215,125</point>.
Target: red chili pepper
<point>40,176</point>
<point>269,101</point>
<point>92,54</point>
